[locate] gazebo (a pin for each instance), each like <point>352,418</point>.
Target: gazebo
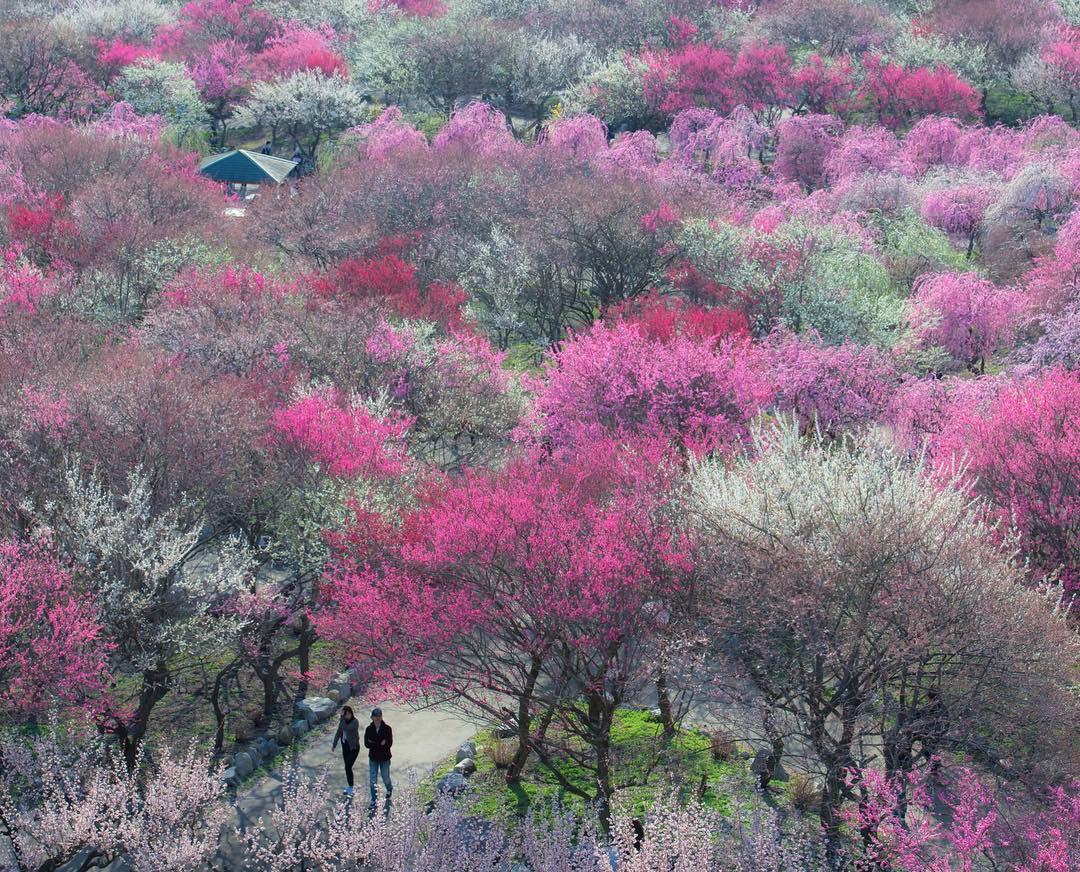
<point>241,167</point>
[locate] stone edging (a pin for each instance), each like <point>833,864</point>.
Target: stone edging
<point>310,712</point>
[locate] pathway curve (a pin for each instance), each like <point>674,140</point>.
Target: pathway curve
<point>422,739</point>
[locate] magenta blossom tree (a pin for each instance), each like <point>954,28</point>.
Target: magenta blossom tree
<point>538,595</point>
<point>614,382</point>
<point>968,316</point>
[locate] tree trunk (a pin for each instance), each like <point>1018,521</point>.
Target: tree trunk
<point>776,745</point>
<point>524,725</point>
<point>307,638</point>
<point>131,732</point>
<point>222,676</point>
<point>663,701</point>
<point>601,714</point>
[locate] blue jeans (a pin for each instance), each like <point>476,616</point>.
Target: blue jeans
<point>374,768</point>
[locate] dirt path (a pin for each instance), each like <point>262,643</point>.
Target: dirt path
<point>422,739</point>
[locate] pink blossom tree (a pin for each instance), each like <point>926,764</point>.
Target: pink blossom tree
<point>613,382</point>
<point>347,441</point>
<point>933,142</point>
<point>970,317</point>
<point>804,145</point>
<point>1020,445</point>
<point>221,74</point>
<point>835,389</point>
<point>959,210</point>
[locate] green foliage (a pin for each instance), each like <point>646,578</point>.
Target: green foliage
<point>841,291</point>
<point>1006,105</point>
<point>428,123</point>
<point>613,90</point>
<point>154,87</point>
<point>636,744</point>
<point>911,247</point>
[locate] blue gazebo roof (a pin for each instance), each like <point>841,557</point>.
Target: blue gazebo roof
<point>246,167</point>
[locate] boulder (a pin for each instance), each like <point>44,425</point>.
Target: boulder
<point>342,683</point>
<point>320,707</point>
<point>453,783</point>
<point>285,735</point>
<point>466,751</point>
<point>466,766</point>
<point>230,777</point>
<point>243,764</point>
<point>79,861</point>
<point>267,746</point>
<point>300,727</point>
<point>333,694</point>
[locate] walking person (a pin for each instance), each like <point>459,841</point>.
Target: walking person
<point>378,739</point>
<point>348,733</point>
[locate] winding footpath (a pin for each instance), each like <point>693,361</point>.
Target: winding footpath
<point>422,739</point>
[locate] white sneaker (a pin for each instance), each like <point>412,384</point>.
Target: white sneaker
<point>348,791</point>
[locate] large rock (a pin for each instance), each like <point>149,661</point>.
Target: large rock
<point>320,706</point>
<point>452,783</point>
<point>243,764</point>
<point>342,683</point>
<point>300,727</point>
<point>77,862</point>
<point>230,777</point>
<point>466,751</point>
<point>285,735</point>
<point>760,767</point>
<point>466,766</point>
<point>267,746</point>
<point>334,694</point>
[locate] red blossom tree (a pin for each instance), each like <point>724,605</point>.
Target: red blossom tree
<point>52,647</point>
<point>542,586</point>
<point>295,48</point>
<point>389,280</point>
<point>898,96</point>
<point>697,74</point>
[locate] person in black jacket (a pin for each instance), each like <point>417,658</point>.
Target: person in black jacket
<point>348,733</point>
<point>378,739</point>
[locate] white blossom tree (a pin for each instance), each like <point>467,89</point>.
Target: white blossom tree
<point>161,592</point>
<point>306,108</point>
<point>162,88</point>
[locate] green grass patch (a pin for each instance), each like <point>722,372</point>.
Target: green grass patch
<point>643,770</point>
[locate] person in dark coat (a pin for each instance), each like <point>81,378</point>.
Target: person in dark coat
<point>348,733</point>
<point>268,148</point>
<point>378,739</point>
